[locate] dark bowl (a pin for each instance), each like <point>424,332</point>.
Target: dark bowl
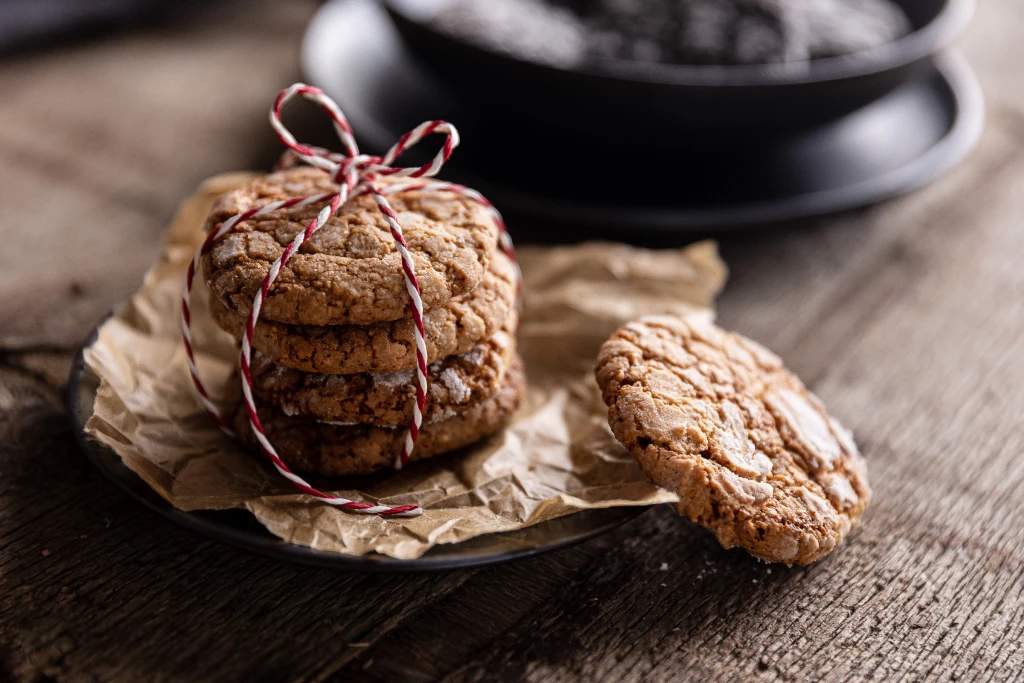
<point>654,103</point>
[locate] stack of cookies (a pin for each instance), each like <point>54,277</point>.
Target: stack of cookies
<point>334,352</point>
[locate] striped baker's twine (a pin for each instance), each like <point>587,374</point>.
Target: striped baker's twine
<point>355,175</point>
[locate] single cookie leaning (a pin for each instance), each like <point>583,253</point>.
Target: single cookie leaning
<point>453,328</point>
<point>716,418</point>
<point>454,384</point>
<point>306,445</point>
<point>349,272</point>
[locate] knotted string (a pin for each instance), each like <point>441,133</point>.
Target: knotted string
<point>356,175</point>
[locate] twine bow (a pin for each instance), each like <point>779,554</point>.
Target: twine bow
<point>355,174</point>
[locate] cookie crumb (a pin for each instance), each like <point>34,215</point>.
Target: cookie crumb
<point>459,390</point>
<point>399,378</point>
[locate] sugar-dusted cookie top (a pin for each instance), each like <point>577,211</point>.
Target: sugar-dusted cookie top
<point>454,384</point>
<point>349,272</point>
<point>455,327</point>
<point>716,418</point>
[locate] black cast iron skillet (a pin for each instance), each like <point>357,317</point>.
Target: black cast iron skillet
<point>651,104</point>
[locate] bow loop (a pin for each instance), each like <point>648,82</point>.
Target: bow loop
<point>315,156</point>
<point>410,139</point>
<point>353,169</point>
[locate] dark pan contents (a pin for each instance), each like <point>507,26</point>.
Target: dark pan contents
<point>570,33</point>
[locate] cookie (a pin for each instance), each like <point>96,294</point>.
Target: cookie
<point>454,328</point>
<point>716,418</point>
<point>455,383</point>
<point>349,272</point>
<point>314,447</point>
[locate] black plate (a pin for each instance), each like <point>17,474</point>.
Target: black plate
<point>896,144</point>
<point>240,529</point>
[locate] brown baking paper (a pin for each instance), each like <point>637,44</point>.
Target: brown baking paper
<point>558,457</point>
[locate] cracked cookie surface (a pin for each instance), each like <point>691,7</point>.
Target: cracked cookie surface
<point>385,399</point>
<point>314,447</point>
<point>453,328</point>
<point>717,419</point>
<point>349,271</point>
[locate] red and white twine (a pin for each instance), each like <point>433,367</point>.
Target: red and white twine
<point>355,175</point>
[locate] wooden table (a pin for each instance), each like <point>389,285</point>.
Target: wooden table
<point>907,318</point>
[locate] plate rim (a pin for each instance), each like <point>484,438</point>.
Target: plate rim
<point>280,549</point>
<point>959,138</point>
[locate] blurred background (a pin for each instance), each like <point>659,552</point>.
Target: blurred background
<point>731,112</point>
<point>650,121</point>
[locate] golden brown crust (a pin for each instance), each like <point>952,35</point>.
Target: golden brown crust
<point>385,399</point>
<point>349,272</point>
<point>453,328</point>
<point>716,418</point>
<point>308,446</point>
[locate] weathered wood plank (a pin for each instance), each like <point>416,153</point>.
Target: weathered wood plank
<point>993,44</point>
<point>933,585</point>
<point>905,318</point>
<point>99,142</point>
<point>913,339</point>
<point>93,583</point>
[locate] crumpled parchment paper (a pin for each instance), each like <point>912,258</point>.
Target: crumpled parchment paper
<point>557,458</point>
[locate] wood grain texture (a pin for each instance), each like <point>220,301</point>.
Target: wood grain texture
<point>98,143</point>
<point>907,318</point>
